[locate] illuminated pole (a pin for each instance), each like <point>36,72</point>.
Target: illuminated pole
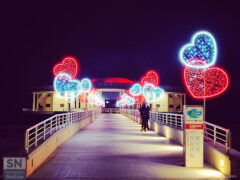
<point>204,99</point>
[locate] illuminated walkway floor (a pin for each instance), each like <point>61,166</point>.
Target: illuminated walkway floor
<point>113,147</point>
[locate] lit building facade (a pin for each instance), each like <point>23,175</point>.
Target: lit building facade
<point>45,99</point>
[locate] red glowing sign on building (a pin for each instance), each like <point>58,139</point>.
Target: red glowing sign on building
<point>150,77</point>
<point>205,83</point>
<point>118,80</point>
<point>68,65</point>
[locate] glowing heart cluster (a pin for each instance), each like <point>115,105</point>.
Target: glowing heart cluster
<point>201,78</point>
<point>95,99</point>
<point>67,87</point>
<point>146,90</point>
<point>149,91</point>
<point>126,100</point>
<point>152,93</point>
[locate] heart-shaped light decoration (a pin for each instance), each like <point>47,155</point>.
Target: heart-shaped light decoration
<point>152,93</point>
<point>95,99</point>
<point>66,87</point>
<point>136,90</point>
<point>120,103</point>
<point>151,77</point>
<point>205,83</point>
<point>86,85</point>
<point>69,65</point>
<point>127,100</point>
<point>203,46</point>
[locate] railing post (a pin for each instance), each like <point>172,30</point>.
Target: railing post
<point>26,140</point>
<point>69,119</point>
<point>64,117</point>
<point>51,126</point>
<point>175,120</point>
<point>182,122</point>
<point>56,123</point>
<point>36,135</point>
<point>214,135</point>
<point>44,131</point>
<point>229,139</point>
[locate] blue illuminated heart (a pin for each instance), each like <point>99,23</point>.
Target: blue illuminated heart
<point>66,87</point>
<point>86,85</point>
<point>152,93</point>
<point>127,100</point>
<point>203,46</point>
<point>136,90</point>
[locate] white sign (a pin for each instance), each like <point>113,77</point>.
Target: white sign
<point>14,168</point>
<point>193,136</point>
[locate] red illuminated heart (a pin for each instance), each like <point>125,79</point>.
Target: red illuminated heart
<point>151,77</point>
<point>214,79</point>
<point>69,65</point>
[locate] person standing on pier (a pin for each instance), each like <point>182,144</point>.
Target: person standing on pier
<point>144,112</point>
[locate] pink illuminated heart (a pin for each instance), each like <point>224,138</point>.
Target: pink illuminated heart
<point>150,77</point>
<point>69,65</point>
<point>205,83</point>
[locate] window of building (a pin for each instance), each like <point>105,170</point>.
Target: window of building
<point>61,105</point>
<point>171,106</point>
<point>48,105</point>
<point>157,105</point>
<point>170,95</point>
<point>48,95</point>
<point>79,104</point>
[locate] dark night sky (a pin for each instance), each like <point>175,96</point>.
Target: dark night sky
<point>116,38</point>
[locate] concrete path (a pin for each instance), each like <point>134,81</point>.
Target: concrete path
<point>113,147</point>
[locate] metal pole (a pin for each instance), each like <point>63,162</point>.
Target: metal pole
<point>204,99</point>
<point>204,109</point>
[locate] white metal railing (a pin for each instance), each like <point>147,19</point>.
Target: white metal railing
<point>217,135</point>
<point>170,119</point>
<point>110,110</point>
<point>212,132</point>
<point>35,135</point>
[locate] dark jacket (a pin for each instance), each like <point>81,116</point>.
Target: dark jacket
<point>144,112</point>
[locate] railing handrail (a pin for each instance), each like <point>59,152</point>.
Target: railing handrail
<point>49,126</point>
<point>208,123</point>
<point>212,133</point>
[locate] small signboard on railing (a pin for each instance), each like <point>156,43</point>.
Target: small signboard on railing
<point>193,135</point>
<point>14,168</point>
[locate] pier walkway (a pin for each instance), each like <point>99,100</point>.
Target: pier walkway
<point>113,147</point>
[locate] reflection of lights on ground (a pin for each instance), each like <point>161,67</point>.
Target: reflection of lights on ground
<point>177,148</point>
<point>212,173</point>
